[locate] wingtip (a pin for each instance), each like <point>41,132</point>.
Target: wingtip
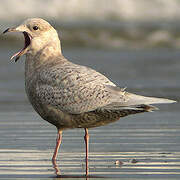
<point>171,101</point>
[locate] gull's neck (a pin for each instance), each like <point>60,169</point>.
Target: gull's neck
<point>43,50</point>
<point>45,44</point>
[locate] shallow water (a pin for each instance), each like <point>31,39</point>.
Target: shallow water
<point>151,139</point>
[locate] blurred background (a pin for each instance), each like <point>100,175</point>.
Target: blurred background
<point>112,24</point>
<point>133,42</point>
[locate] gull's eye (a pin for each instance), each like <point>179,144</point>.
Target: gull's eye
<point>35,28</point>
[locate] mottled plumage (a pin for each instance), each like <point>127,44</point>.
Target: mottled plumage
<point>69,95</point>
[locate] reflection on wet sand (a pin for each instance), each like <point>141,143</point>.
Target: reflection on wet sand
<point>59,175</point>
<point>36,164</point>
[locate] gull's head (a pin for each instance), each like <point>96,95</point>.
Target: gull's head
<point>37,34</point>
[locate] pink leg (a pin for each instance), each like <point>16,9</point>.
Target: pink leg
<point>58,143</point>
<point>86,138</point>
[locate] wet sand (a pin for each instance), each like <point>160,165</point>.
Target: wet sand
<point>140,146</point>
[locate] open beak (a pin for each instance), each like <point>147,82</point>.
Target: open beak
<point>27,42</point>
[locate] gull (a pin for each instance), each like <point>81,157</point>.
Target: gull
<point>69,95</point>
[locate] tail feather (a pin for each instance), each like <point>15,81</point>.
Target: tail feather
<point>130,110</point>
<point>147,108</point>
<point>138,108</point>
